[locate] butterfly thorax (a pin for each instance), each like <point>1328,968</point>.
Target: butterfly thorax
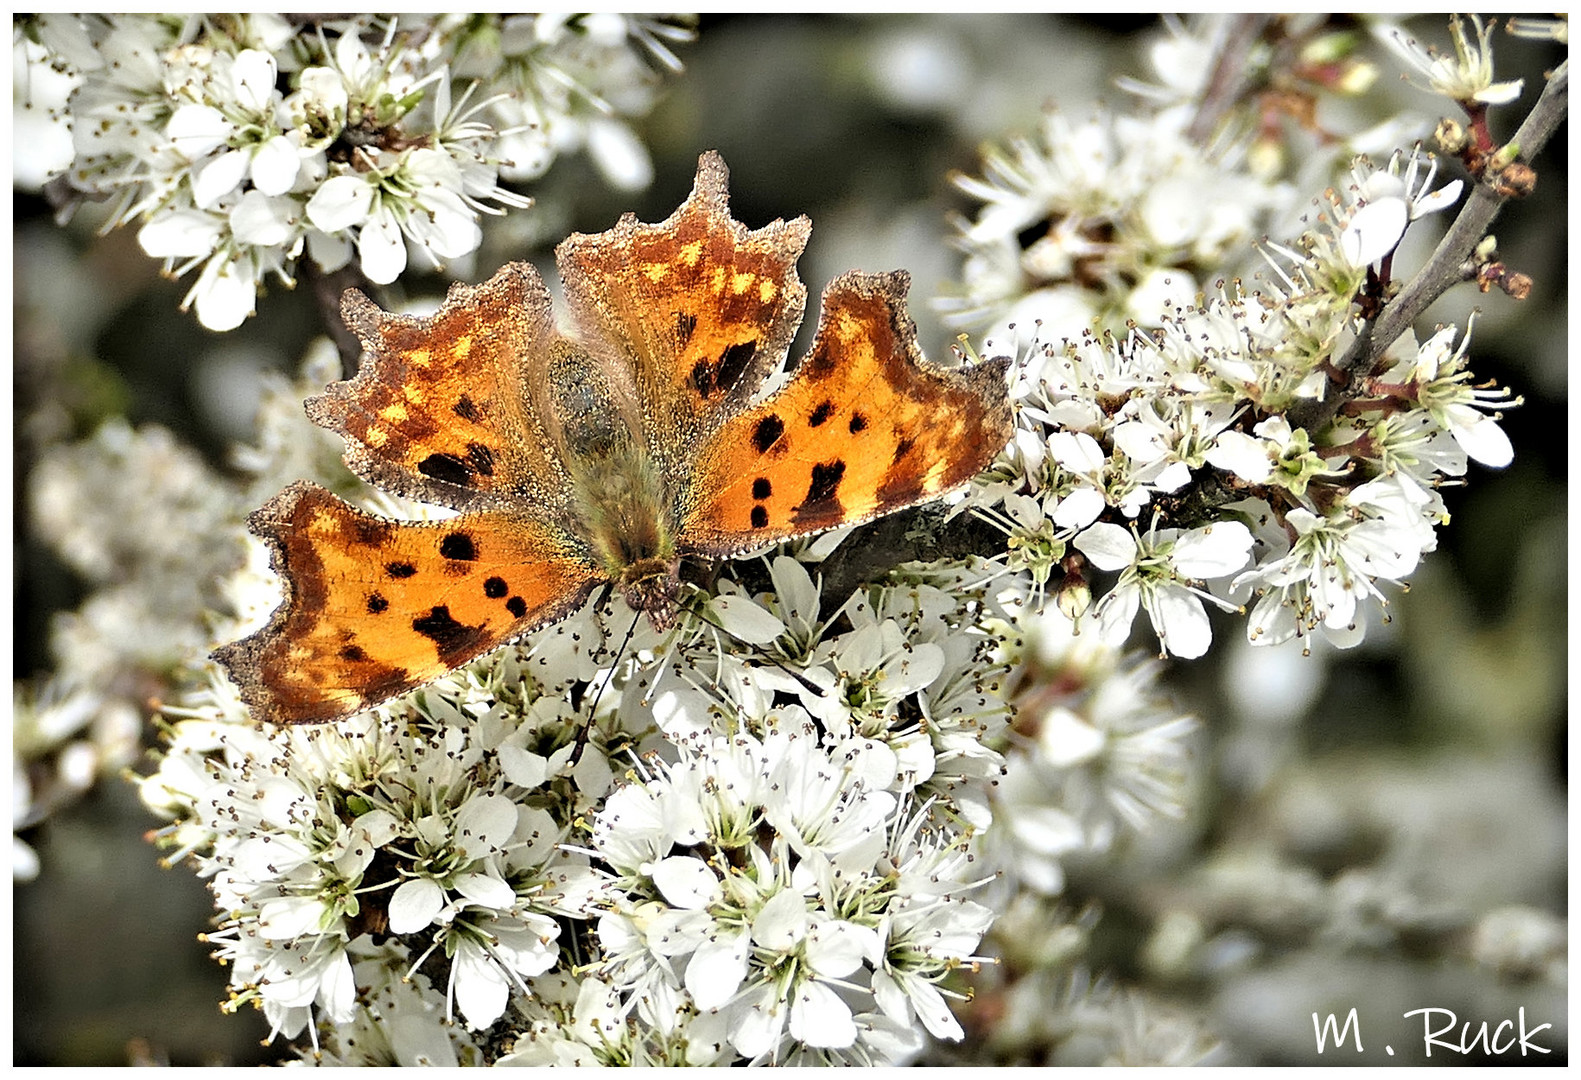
<point>624,515</point>
<point>620,501</point>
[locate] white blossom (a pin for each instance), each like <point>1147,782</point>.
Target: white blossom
<point>1386,202</point>
<point>1467,76</point>
<point>1157,571</point>
<point>367,151</point>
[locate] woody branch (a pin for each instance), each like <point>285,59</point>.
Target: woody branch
<point>1454,261</point>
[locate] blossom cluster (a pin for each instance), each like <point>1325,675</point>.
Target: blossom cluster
<point>703,852</point>
<point>1112,432</point>
<point>243,144</point>
<point>769,834</point>
<point>1179,455</point>
<point>804,827</point>
<point>147,592</point>
<point>1103,220</point>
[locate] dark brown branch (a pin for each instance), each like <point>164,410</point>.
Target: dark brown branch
<point>327,291</point>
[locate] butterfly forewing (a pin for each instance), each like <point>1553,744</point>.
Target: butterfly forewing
<point>441,409</point>
<point>699,307</point>
<point>864,427</point>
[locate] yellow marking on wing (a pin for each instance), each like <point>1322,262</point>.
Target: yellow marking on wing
<point>766,290</point>
<point>739,283</point>
<point>413,392</point>
<point>376,437</point>
<point>718,280</point>
<point>463,346</point>
<point>394,412</point>
<point>419,357</point>
<point>690,253</point>
<point>656,271</point>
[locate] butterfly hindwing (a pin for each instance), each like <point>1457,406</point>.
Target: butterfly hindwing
<point>380,607</point>
<point>865,426</point>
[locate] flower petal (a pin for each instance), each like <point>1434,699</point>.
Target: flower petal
<point>1212,551</point>
<point>226,297</point>
<point>275,165</point>
<point>414,904</point>
<point>219,178</point>
<point>382,249</point>
<point>686,882</point>
<point>341,202</point>
<point>781,922</point>
<point>1373,231</point>
<point>1108,547</point>
<point>194,130</point>
<point>717,969</point>
<point>818,1017</point>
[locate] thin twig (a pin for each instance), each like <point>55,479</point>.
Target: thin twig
<point>1447,266</point>
<point>327,291</point>
<point>1227,82</point>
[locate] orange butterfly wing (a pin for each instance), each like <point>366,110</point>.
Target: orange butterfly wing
<point>444,408</point>
<point>864,427</point>
<point>698,308</point>
<point>378,607</point>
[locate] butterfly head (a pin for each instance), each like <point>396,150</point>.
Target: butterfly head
<point>653,585</point>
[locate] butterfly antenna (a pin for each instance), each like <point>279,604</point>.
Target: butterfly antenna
<point>592,710</point>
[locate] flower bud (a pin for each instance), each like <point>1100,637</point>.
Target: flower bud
<point>1075,595</point>
<point>1450,136</point>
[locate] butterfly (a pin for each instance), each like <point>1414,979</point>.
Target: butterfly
<point>602,454</point>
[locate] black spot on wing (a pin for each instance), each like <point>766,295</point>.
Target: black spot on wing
<point>353,653</point>
<point>376,603</point>
<point>458,546</point>
<point>495,587</point>
<point>821,508</point>
<point>820,414</point>
<point>858,423</point>
<point>760,517</point>
<point>481,458</point>
<point>767,433</point>
<point>733,363</point>
<point>516,606</point>
<point>455,641</point>
<point>446,467</point>
<point>400,569</point>
<point>467,409</point>
<point>761,488</point>
<point>702,378</point>
<point>825,484</point>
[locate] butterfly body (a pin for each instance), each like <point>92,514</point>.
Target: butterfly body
<point>606,453</point>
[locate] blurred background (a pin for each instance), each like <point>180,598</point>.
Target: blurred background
<point>1384,827</point>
